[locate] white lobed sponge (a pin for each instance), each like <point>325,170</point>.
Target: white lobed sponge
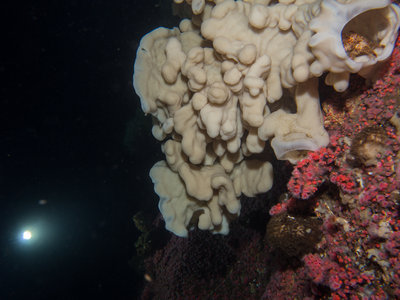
<point>240,74</point>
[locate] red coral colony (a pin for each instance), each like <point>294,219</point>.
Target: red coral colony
<point>351,187</point>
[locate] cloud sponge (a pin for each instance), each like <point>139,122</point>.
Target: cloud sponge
<point>239,75</point>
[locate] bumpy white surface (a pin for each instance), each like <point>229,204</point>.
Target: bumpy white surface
<point>210,191</point>
<point>377,20</point>
<point>220,87</point>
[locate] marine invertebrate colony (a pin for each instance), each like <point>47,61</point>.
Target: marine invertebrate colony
<point>225,82</point>
<point>293,235</point>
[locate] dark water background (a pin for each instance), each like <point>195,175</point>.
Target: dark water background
<point>72,136</point>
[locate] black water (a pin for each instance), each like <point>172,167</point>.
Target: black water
<point>75,149</point>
